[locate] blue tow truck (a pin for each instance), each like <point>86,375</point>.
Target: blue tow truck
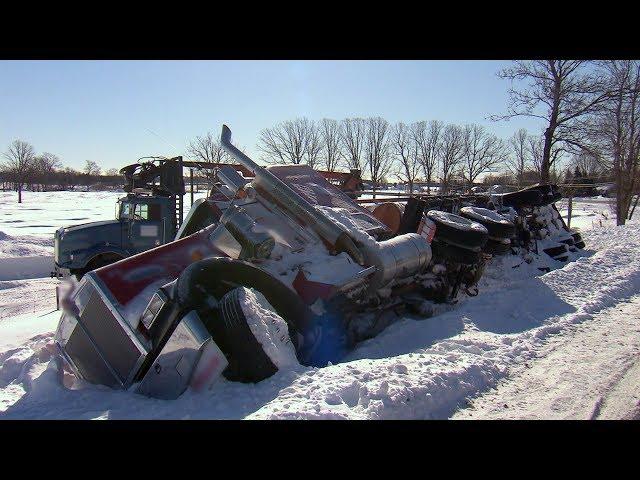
<point>148,216</point>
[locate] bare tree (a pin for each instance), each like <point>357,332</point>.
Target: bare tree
<point>588,163</point>
<point>286,142</point>
<point>482,152</point>
<point>377,150</point>
<point>520,159</point>
<point>313,144</point>
<point>45,166</point>
<point>112,172</point>
<point>560,92</point>
<point>451,153</point>
<point>354,136</point>
<point>405,149</point>
<point>427,138</point>
<point>208,149</point>
<point>92,169</point>
<point>19,163</point>
<point>69,178</point>
<point>618,128</point>
<point>331,143</point>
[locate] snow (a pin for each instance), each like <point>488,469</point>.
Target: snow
<point>559,345</point>
<point>484,214</point>
<point>455,221</point>
<point>585,373</point>
<point>268,327</point>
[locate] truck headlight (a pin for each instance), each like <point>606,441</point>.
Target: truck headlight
<point>151,312</point>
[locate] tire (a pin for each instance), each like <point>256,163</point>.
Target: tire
<point>556,251</point>
<point>496,224</point>
<point>217,276</point>
<point>457,230</point>
<point>453,253</point>
<point>522,198</point>
<point>495,247</point>
<point>248,362</point>
<point>410,218</point>
<point>97,262</point>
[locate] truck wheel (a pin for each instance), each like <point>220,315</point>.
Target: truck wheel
<point>97,262</point>
<point>455,254</point>
<point>458,230</point>
<point>497,247</point>
<point>248,361</point>
<point>496,224</point>
<point>216,276</point>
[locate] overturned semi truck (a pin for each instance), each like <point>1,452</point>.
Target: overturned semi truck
<point>328,273</point>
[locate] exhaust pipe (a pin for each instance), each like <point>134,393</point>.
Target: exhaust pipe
<point>293,202</point>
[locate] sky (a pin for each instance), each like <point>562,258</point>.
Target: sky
<point>114,112</point>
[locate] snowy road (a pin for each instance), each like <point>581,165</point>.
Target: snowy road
<point>589,372</point>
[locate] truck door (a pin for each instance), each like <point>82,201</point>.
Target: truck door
<point>146,228</point>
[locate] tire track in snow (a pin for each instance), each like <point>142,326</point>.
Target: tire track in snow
<point>575,375</point>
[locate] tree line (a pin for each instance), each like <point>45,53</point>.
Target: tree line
<point>24,169</point>
<point>590,111</point>
<point>425,151</point>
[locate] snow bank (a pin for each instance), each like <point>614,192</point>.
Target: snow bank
<point>413,369</point>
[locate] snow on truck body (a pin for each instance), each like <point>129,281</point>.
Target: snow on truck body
<point>174,317</point>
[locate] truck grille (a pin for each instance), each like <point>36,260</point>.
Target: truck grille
<point>116,346</point>
<point>100,346</point>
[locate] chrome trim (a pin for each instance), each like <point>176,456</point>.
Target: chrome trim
<point>110,301</point>
<point>172,370</point>
<point>294,202</point>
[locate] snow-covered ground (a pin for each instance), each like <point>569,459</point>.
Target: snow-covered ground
<point>560,345</point>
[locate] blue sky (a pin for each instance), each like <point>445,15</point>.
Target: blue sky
<point>105,110</point>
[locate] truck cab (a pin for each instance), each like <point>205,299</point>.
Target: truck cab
<point>142,221</point>
<point>147,217</point>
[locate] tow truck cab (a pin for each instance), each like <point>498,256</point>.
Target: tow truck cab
<point>142,221</point>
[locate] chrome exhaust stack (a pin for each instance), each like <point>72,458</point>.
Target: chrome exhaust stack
<point>400,257</point>
<point>293,202</point>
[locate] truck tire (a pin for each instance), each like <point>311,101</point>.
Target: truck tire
<point>97,262</point>
<point>521,198</point>
<point>216,276</point>
<point>496,247</point>
<point>496,224</point>
<point>457,230</point>
<point>453,253</point>
<point>248,361</point>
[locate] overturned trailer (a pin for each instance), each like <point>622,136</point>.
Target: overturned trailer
<point>325,271</point>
